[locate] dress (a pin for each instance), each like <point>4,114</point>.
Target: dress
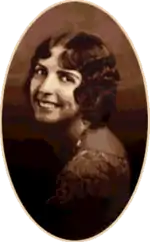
<point>92,189</point>
<point>72,200</point>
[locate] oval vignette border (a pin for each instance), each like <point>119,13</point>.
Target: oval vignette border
<point>40,13</point>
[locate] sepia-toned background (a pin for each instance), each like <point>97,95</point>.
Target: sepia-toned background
<point>131,119</point>
<point>129,122</point>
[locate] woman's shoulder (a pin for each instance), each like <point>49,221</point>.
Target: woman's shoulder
<point>103,140</point>
<point>96,163</point>
<point>94,173</point>
<point>99,152</point>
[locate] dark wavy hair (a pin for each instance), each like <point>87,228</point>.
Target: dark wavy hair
<point>87,54</point>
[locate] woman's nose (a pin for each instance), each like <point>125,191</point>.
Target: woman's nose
<point>50,84</point>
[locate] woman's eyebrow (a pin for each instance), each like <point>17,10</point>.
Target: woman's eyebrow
<point>69,72</point>
<point>40,65</point>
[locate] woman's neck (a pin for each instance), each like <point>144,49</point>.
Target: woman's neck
<point>76,129</point>
<point>65,134</point>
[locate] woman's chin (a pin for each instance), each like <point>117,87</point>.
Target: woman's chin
<point>47,118</point>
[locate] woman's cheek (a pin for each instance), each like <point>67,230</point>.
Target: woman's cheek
<point>34,85</point>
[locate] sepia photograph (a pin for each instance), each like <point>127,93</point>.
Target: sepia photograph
<point>74,120</point>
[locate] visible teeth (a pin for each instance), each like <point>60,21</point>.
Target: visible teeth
<point>47,105</point>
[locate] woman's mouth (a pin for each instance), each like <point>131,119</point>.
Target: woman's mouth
<point>48,105</point>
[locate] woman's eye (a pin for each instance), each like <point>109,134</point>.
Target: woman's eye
<point>66,78</point>
<point>40,71</point>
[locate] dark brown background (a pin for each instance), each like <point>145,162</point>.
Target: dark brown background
<point>129,122</point>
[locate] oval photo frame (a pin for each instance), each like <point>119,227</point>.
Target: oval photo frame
<point>81,185</point>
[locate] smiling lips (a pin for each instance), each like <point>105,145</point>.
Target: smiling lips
<point>48,105</point>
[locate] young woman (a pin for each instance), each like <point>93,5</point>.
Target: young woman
<point>72,84</point>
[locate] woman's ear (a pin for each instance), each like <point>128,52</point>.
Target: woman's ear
<point>86,123</point>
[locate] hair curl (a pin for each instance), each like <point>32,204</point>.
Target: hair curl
<point>87,54</point>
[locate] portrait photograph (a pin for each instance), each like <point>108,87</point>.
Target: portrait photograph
<point>74,120</point>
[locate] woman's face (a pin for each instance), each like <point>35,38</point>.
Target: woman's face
<point>52,89</point>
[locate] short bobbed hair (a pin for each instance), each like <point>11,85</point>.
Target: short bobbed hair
<point>86,53</point>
